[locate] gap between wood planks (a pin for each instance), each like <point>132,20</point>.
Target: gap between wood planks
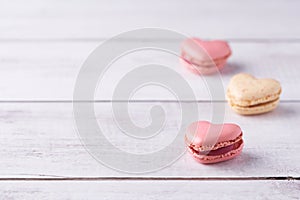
<point>233,40</point>
<point>279,178</point>
<point>127,101</point>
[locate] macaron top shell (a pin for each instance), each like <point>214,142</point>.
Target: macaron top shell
<point>205,50</point>
<point>205,134</point>
<point>246,90</point>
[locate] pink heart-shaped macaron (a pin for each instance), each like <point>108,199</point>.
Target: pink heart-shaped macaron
<point>204,57</point>
<point>211,143</point>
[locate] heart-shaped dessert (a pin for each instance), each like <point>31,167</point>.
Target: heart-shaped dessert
<point>248,95</point>
<point>212,143</point>
<point>204,57</point>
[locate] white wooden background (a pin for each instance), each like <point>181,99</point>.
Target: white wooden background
<point>42,46</point>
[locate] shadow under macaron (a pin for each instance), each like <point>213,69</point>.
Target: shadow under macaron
<point>232,68</point>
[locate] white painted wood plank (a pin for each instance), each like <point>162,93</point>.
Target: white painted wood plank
<point>48,71</point>
<point>34,19</point>
<point>39,140</point>
<point>150,190</point>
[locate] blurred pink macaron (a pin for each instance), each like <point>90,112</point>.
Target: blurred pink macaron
<point>204,57</point>
<point>211,143</point>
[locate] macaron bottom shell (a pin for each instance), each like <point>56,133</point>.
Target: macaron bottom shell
<point>214,157</point>
<point>256,109</point>
<point>202,70</point>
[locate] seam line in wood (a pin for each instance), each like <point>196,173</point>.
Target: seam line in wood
<point>279,178</point>
<point>126,101</point>
<point>101,39</point>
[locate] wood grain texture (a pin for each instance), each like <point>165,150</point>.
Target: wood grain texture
<point>48,71</point>
<point>39,140</point>
<point>99,19</point>
<point>150,190</point>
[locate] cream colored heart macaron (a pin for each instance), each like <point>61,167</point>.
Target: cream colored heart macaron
<point>248,95</point>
